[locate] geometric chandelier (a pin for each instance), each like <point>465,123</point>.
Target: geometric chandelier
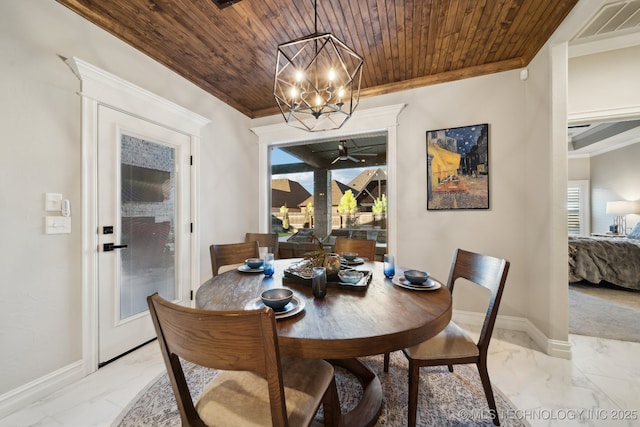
<point>317,81</point>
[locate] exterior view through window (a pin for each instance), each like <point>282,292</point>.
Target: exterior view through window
<point>329,189</point>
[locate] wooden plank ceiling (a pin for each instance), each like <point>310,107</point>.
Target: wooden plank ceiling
<point>230,52</point>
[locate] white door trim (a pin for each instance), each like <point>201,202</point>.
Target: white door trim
<point>362,122</point>
<point>99,87</point>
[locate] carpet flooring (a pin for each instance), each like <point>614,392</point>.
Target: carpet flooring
<point>445,399</point>
<point>604,311</point>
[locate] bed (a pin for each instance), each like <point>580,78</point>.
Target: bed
<point>611,259</point>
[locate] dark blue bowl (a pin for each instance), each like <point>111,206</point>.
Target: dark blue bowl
<point>253,262</point>
<point>277,298</point>
<point>416,277</point>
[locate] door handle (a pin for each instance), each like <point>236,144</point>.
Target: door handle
<point>108,247</point>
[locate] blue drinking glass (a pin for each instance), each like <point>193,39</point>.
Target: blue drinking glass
<point>268,265</point>
<point>389,266</point>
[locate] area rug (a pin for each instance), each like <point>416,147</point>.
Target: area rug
<point>604,312</point>
<point>445,399</point>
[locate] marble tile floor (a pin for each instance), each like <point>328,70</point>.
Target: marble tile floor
<point>600,386</point>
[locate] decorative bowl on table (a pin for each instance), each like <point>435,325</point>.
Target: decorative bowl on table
<point>349,256</point>
<point>416,277</point>
<point>350,276</point>
<point>253,262</point>
<point>276,298</point>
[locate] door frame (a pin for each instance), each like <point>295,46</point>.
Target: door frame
<point>99,87</point>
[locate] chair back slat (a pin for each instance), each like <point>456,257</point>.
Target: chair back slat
<point>364,248</point>
<point>265,240</point>
<point>232,253</point>
<point>227,340</point>
<point>454,348</point>
<point>488,272</point>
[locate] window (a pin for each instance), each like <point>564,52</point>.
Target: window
<point>309,181</point>
<point>375,120</point>
<point>578,212</point>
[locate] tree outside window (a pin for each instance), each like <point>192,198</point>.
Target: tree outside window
<point>348,207</point>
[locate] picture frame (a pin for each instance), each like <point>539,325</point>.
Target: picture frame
<point>458,168</point>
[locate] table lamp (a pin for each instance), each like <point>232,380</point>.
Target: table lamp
<point>620,209</point>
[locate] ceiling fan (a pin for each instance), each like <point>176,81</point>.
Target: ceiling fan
<point>343,153</point>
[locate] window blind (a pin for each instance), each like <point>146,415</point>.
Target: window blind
<point>573,210</point>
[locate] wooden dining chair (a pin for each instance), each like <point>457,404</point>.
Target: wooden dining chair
<point>232,254</point>
<point>452,346</point>
<point>364,248</point>
<point>254,385</point>
<point>265,240</point>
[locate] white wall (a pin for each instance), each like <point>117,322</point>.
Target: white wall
<point>614,176</point>
<point>544,225</point>
<point>606,81</point>
<point>40,295</point>
<point>579,168</point>
<point>427,239</point>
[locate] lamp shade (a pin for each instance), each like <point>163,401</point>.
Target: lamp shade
<point>621,207</point>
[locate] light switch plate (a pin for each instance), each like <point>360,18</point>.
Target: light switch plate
<point>53,202</point>
<point>58,225</point>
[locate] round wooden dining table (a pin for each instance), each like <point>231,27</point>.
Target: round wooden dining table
<point>346,324</point>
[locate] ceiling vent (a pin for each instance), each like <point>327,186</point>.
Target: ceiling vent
<point>621,16</point>
<point>224,3</point>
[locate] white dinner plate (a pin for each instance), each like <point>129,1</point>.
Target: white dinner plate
<point>244,268</point>
<point>430,284</point>
<point>294,307</point>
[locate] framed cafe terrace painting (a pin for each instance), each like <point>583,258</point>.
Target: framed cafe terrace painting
<point>458,168</point>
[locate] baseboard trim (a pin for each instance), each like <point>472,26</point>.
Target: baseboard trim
<point>26,394</point>
<point>555,348</point>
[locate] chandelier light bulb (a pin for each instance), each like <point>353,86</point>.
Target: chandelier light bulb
<point>294,92</point>
<point>318,100</point>
<point>332,75</point>
<point>299,76</point>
